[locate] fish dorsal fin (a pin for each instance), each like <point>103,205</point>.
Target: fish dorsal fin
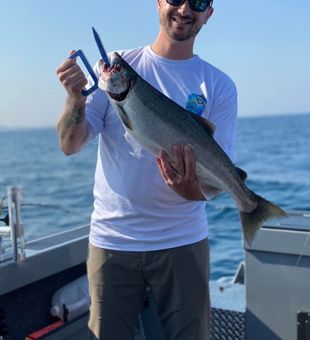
<point>205,123</point>
<point>242,174</point>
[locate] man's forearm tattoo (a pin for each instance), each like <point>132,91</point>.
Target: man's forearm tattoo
<point>75,117</point>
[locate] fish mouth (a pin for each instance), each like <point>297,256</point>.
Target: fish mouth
<point>119,97</point>
<point>114,81</point>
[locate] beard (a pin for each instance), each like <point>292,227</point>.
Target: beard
<point>180,28</point>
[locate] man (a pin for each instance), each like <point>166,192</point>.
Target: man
<point>149,226</point>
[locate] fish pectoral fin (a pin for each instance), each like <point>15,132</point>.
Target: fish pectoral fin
<point>204,123</point>
<point>124,117</point>
<point>243,175</point>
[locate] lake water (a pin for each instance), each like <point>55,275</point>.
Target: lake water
<point>57,190</point>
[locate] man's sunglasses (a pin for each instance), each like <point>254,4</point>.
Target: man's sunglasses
<point>195,5</point>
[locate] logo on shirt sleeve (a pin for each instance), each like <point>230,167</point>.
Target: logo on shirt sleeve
<point>196,103</point>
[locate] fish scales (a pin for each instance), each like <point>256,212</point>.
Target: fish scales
<point>156,123</point>
<point>180,128</point>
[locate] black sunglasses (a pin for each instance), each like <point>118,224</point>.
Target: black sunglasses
<point>195,5</point>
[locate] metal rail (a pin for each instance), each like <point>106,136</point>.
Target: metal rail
<point>15,229</point>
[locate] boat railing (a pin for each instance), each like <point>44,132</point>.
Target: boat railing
<point>14,228</point>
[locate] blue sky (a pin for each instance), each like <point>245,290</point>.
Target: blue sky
<point>263,45</point>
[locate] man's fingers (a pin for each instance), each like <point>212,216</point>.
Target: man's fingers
<point>72,76</point>
<point>190,162</point>
<point>161,169</point>
<point>78,85</point>
<point>185,183</point>
<point>73,79</point>
<point>70,54</point>
<point>65,66</point>
<point>178,159</point>
<point>171,175</point>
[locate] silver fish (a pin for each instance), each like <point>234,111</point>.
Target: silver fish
<point>156,122</point>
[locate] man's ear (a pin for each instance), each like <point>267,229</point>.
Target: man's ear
<point>208,14</point>
<point>158,5</point>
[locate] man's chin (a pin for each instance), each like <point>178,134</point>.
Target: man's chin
<point>180,36</point>
<point>177,33</point>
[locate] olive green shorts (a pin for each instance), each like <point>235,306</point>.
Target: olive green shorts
<point>179,282</point>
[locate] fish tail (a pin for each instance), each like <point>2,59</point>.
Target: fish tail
<point>251,222</point>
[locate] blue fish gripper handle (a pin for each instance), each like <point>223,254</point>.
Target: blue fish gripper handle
<point>79,53</point>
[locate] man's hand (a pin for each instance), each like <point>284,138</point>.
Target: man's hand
<point>180,173</point>
<point>73,79</point>
<point>72,126</point>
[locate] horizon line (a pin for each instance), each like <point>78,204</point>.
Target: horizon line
<point>263,115</point>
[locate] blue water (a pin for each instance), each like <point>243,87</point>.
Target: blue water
<point>274,151</point>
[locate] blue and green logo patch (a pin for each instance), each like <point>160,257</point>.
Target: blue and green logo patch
<point>196,103</point>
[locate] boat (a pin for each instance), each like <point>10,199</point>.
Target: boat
<point>43,285</point>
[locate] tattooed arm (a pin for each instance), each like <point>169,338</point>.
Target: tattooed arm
<point>72,126</point>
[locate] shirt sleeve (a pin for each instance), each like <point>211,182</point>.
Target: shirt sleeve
<point>224,116</point>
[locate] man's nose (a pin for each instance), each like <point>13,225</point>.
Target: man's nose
<point>184,9</point>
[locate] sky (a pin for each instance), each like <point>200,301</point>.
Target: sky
<point>264,46</point>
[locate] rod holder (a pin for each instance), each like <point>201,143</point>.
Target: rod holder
<point>15,230</point>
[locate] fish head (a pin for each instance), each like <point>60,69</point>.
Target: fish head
<point>117,79</point>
